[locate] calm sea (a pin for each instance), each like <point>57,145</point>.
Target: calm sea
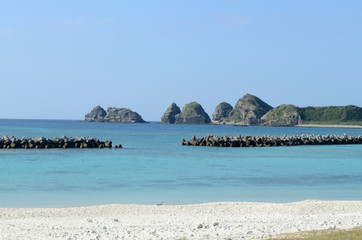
<point>154,168</point>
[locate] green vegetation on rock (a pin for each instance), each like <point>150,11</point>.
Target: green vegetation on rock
<point>290,115</point>
<point>248,111</point>
<point>284,115</point>
<point>221,111</point>
<point>333,115</point>
<point>192,113</point>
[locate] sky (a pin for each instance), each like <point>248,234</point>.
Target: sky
<point>59,59</point>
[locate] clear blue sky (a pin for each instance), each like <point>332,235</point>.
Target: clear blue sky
<point>59,59</point>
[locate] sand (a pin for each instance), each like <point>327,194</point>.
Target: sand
<point>234,220</point>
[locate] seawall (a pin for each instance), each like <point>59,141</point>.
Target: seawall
<point>271,141</point>
<point>45,143</point>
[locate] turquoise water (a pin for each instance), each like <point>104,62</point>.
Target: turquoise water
<point>153,167</point>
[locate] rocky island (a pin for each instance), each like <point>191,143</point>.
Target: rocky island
<point>170,115</point>
<point>192,113</point>
<point>122,115</point>
<point>221,112</point>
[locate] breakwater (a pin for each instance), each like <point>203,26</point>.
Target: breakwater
<point>45,143</point>
<point>271,141</point>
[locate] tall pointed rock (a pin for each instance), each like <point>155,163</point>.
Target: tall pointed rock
<point>171,112</point>
<point>96,115</point>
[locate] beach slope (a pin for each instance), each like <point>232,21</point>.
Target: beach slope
<point>229,220</point>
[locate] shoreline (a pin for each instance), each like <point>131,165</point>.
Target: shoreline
<point>217,220</point>
<point>328,126</point>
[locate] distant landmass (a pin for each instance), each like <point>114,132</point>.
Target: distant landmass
<point>252,111</point>
<point>248,111</point>
<point>113,114</point>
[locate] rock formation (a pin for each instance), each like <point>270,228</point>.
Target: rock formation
<point>96,115</point>
<point>271,141</point>
<point>248,111</point>
<point>221,112</point>
<point>192,113</point>
<point>171,112</point>
<point>113,114</point>
<point>284,115</point>
<point>46,143</point>
<point>123,115</point>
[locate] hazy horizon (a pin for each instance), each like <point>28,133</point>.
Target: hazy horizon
<point>60,59</point>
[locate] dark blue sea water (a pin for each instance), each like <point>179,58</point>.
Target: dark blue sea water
<point>153,167</point>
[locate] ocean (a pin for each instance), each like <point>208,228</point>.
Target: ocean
<point>153,167</point>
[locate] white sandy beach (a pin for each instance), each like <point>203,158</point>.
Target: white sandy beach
<point>236,220</point>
